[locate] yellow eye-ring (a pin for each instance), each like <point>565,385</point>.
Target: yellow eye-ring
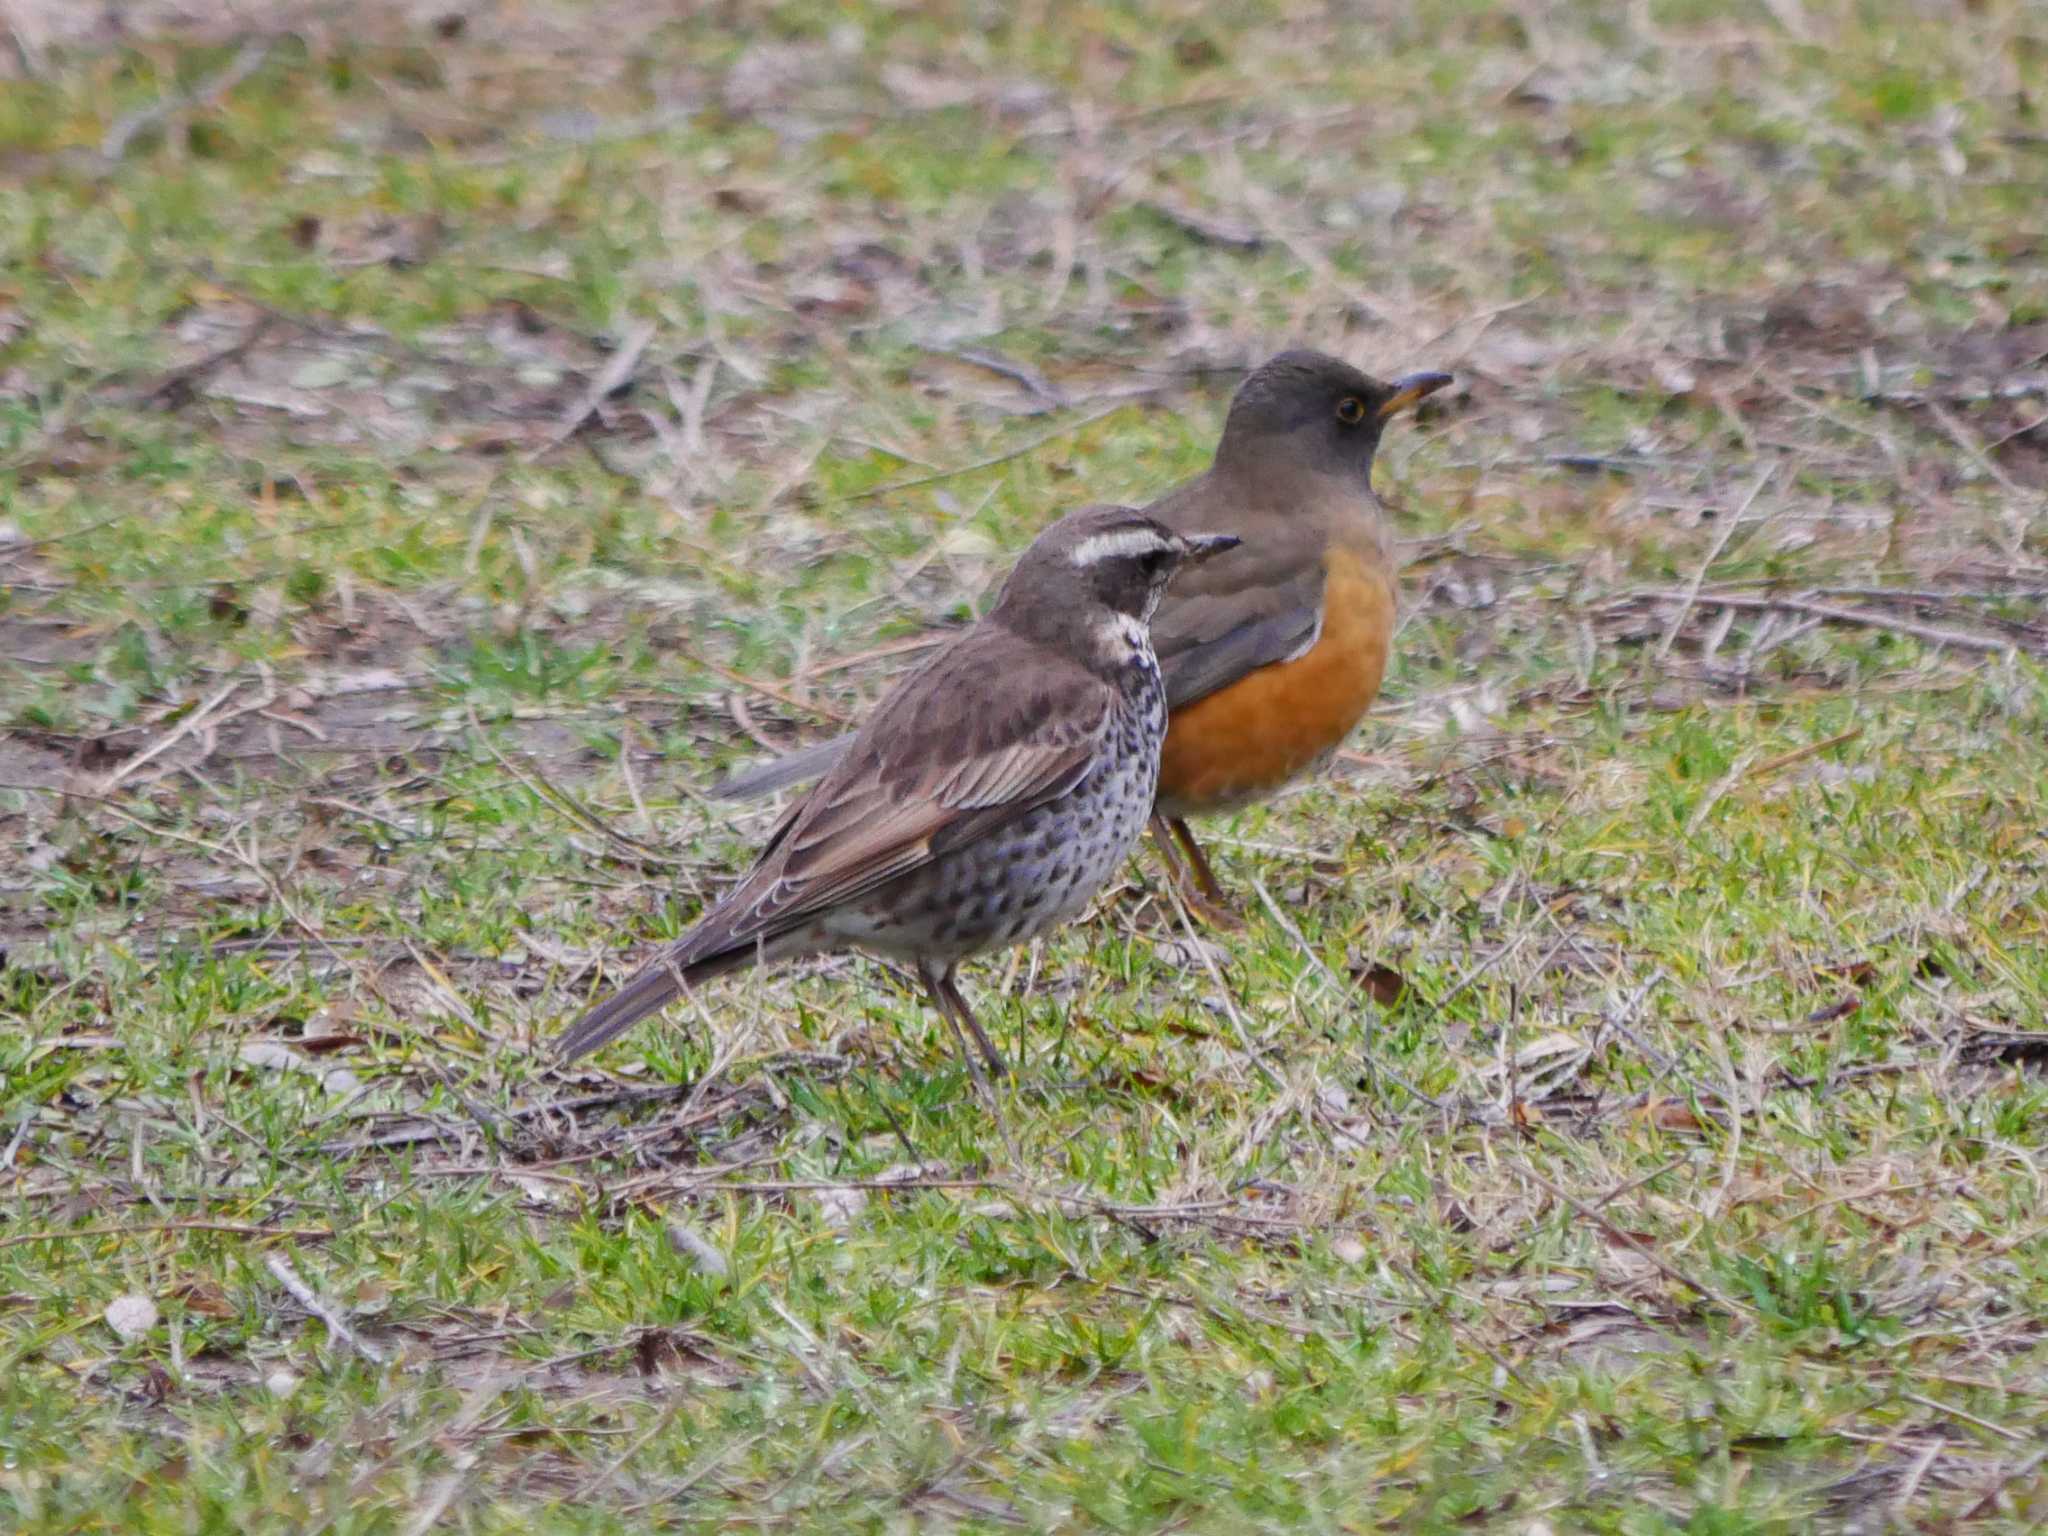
<point>1351,410</point>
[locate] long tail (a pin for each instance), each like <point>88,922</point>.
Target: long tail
<point>780,772</point>
<point>657,983</point>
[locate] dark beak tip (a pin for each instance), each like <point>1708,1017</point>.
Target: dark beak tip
<point>1203,545</point>
<point>1413,389</point>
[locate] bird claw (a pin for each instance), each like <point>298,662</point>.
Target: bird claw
<point>1219,915</point>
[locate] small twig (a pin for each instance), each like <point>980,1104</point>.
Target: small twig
<point>1716,790</point>
<point>1783,760</point>
<point>185,727</point>
<point>1612,1019</point>
<point>1699,576</point>
<point>570,806</point>
<point>743,717</point>
<point>617,369</point>
<point>414,1135</point>
<point>1018,452</point>
<point>1988,1500</point>
<point>121,133</point>
<point>1630,1241</point>
<point>1185,1211</point>
<point>1966,440</point>
<point>234,1228</point>
<point>337,1328</point>
<point>1206,230</point>
<point>770,691</point>
<point>811,1186</point>
<point>702,1254</point>
<point>1953,1412</point>
<point>1030,378</point>
<point>16,544</point>
<point>1932,634</point>
<point>451,996</point>
<point>1915,1475</point>
<point>627,732</point>
<point>596,1485</point>
<point>1592,463</point>
<point>14,1142</point>
<point>28,51</point>
<point>274,885</point>
<point>175,387</point>
<point>2020,431</point>
<point>1639,1181</point>
<point>1474,972</point>
<point>441,1495</point>
<point>909,645</point>
<point>1338,286</point>
<point>690,404</point>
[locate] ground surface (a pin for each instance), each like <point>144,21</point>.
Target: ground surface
<point>434,441</point>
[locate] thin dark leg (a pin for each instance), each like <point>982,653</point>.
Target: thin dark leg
<point>1162,838</point>
<point>938,986</point>
<point>1194,880</point>
<point>996,1065</point>
<point>1198,861</point>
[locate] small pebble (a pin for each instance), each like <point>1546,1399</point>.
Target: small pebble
<point>131,1317</point>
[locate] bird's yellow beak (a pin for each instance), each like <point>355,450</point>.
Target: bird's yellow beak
<point>1410,388</point>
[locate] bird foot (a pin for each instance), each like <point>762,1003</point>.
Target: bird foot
<point>1173,897</point>
<point>1191,878</point>
<point>1213,913</point>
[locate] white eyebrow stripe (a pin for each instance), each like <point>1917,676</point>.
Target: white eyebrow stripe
<point>1124,541</point>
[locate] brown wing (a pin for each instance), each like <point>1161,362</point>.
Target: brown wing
<point>1207,641</point>
<point>1262,602</point>
<point>986,730</point>
<point>982,733</point>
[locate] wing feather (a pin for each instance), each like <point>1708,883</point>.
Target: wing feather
<point>1208,641</point>
<point>968,742</point>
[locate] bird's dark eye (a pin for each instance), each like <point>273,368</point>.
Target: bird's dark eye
<point>1155,561</point>
<point>1351,410</point>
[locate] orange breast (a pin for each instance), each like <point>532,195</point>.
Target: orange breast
<point>1245,741</point>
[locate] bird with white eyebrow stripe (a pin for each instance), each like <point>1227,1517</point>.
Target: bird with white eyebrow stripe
<point>984,802</point>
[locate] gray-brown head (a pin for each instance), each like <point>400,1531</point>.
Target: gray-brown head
<point>1310,409</point>
<point>1099,565</point>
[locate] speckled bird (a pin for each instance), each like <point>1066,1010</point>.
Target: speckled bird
<point>986,799</point>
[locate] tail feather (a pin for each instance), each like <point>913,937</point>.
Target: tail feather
<point>796,767</point>
<point>652,989</point>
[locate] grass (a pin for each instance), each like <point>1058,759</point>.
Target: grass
<point>1623,1113</point>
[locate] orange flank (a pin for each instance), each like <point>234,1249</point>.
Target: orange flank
<point>1253,736</point>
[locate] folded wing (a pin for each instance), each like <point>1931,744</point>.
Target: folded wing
<point>958,749</point>
<point>1208,640</point>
